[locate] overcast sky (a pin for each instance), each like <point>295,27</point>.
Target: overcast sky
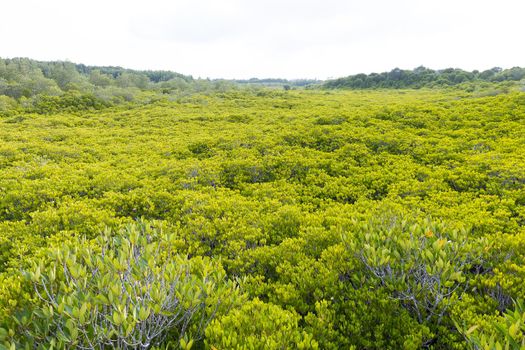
<point>268,38</point>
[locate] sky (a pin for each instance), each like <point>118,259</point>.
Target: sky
<point>290,39</point>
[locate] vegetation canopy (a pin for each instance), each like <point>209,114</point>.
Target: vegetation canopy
<point>151,210</point>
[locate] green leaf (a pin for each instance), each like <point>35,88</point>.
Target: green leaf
<point>117,320</point>
<point>471,329</point>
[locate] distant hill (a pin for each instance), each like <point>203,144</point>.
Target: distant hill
<point>424,77</point>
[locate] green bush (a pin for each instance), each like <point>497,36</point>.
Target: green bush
<point>126,290</point>
<point>257,325</point>
<point>424,265</point>
<point>508,333</point>
<point>69,102</point>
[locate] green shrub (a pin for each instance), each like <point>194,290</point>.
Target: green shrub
<point>508,333</point>
<point>257,325</point>
<point>423,265</point>
<point>129,290</point>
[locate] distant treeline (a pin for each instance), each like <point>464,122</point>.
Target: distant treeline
<point>46,87</point>
<point>27,78</point>
<point>279,82</point>
<point>424,77</point>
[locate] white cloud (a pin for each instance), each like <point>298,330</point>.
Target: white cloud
<point>273,38</point>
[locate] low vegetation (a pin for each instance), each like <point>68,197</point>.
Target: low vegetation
<point>263,219</point>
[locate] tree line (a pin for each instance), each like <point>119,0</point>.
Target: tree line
<point>425,77</point>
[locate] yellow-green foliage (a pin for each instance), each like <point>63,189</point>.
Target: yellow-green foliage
<point>308,199</point>
<point>509,333</point>
<point>129,289</point>
<point>257,325</point>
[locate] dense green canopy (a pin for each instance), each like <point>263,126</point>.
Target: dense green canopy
<point>425,77</point>
<point>260,219</point>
